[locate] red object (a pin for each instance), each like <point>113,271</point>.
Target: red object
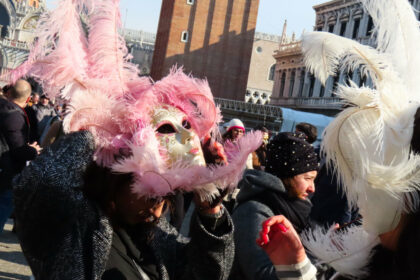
<point>265,239</point>
<point>282,227</point>
<point>276,228</point>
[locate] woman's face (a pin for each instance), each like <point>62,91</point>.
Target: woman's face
<point>237,133</point>
<point>301,185</point>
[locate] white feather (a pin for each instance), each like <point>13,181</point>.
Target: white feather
<point>368,143</point>
<point>397,34</point>
<point>326,53</point>
<point>346,251</point>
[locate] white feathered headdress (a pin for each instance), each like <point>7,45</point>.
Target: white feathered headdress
<point>368,143</point>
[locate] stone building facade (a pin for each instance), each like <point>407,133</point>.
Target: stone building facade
<point>296,88</point>
<point>18,19</point>
<point>211,39</point>
<point>261,70</point>
<point>141,45</point>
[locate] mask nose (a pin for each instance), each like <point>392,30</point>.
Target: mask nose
<point>186,136</point>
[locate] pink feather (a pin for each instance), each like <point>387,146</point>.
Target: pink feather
<point>108,56</point>
<point>108,98</point>
<point>60,53</point>
<point>193,97</point>
<point>184,177</point>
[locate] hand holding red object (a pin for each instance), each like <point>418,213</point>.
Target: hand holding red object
<point>280,241</point>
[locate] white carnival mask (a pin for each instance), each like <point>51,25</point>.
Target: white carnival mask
<point>176,135</point>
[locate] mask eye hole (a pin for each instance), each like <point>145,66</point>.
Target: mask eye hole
<point>186,124</point>
<point>166,129</point>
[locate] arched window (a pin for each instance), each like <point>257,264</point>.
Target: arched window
<point>322,91</point>
<point>336,79</point>
<point>271,72</point>
<point>292,83</point>
<point>301,82</point>
<point>283,82</point>
<point>356,28</point>
<point>311,85</point>
<point>4,20</point>
<point>344,18</point>
<point>369,28</point>
<point>331,23</point>
<point>343,27</point>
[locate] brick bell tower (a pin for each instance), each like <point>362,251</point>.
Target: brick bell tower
<point>211,39</point>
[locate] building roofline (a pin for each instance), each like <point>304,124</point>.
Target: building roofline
<point>334,3</point>
<point>267,37</point>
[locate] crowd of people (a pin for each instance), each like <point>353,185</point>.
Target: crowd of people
<point>99,188</point>
<point>130,247</point>
<point>25,119</point>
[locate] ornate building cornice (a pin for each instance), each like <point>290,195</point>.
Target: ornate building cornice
<point>334,5</point>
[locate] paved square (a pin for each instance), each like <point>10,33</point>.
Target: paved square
<point>13,265</point>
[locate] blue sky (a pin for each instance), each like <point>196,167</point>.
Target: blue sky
<point>144,15</point>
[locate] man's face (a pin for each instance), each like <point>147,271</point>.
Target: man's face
<point>35,98</point>
<point>132,209</point>
<point>44,101</point>
<point>176,135</point>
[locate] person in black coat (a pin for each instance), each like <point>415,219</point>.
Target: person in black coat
<point>15,130</point>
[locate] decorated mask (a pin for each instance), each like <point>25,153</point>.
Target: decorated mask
<point>176,135</point>
<point>151,130</point>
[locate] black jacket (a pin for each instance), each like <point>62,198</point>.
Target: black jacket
<point>14,126</point>
<point>64,235</point>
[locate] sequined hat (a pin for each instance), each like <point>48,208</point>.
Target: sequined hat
<point>289,154</point>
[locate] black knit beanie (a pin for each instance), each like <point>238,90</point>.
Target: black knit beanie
<point>289,154</point>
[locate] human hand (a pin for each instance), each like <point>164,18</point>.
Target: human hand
<point>36,147</point>
<point>281,242</point>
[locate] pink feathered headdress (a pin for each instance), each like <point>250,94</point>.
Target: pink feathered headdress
<point>86,62</point>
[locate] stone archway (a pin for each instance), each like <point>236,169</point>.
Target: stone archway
<point>10,10</point>
<point>4,20</point>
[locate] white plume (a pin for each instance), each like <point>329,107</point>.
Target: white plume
<point>348,251</point>
<point>326,53</point>
<point>398,36</point>
<point>368,143</point>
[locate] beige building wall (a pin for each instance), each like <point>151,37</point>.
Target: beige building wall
<point>261,71</point>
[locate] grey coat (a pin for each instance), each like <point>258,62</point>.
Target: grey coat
<point>65,236</point>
